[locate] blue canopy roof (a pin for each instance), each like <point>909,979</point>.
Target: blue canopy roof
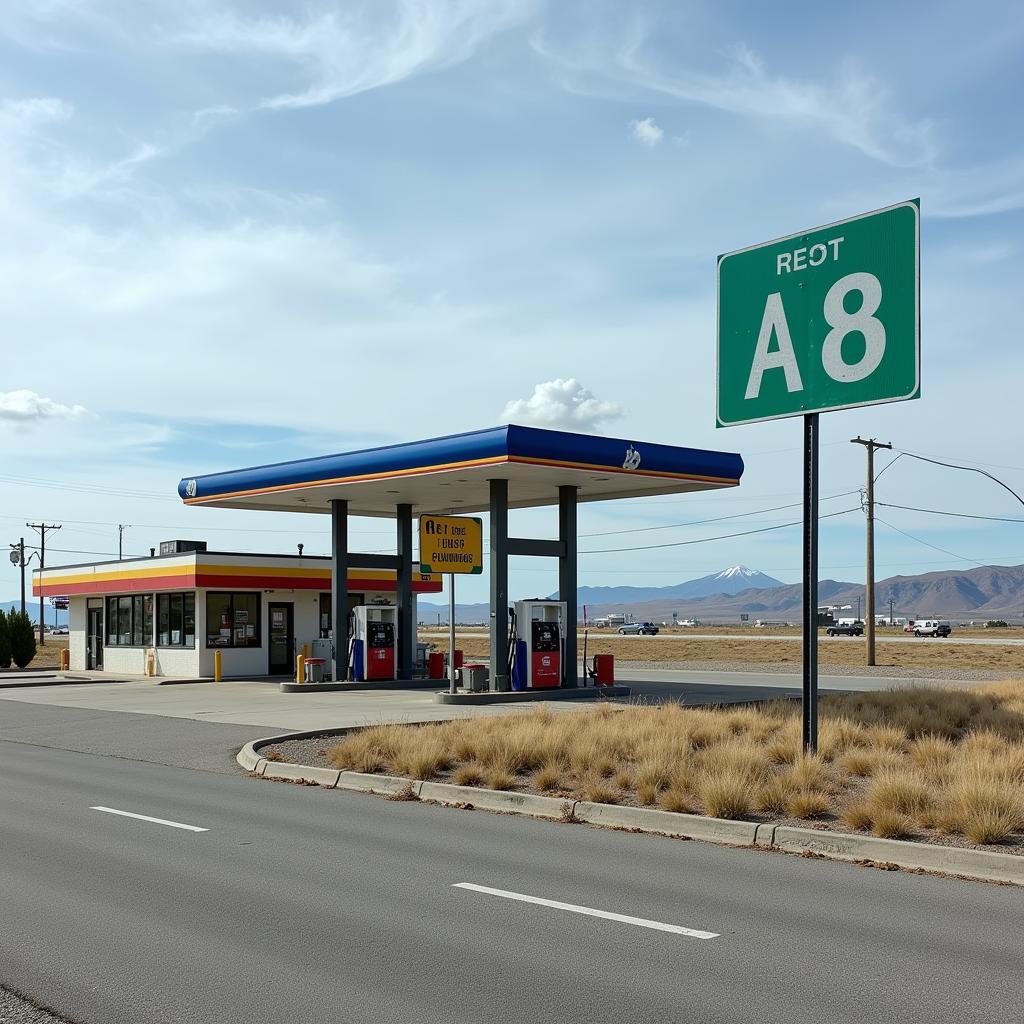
<point>451,473</point>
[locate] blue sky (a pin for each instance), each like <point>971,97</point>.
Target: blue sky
<point>237,233</point>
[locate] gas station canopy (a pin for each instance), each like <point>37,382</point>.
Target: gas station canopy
<point>453,474</point>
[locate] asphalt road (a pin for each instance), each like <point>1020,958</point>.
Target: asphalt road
<point>301,904</point>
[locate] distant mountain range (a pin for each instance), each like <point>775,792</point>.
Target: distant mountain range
<point>32,607</point>
<point>988,592</point>
<point>735,580</point>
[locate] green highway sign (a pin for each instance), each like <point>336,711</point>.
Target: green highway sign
<point>821,320</point>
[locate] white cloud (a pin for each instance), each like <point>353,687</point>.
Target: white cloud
<point>23,407</point>
<point>341,54</point>
<point>854,108</point>
<point>647,132</point>
<point>561,405</point>
<point>27,114</point>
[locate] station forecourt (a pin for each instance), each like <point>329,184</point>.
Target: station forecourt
<point>492,470</point>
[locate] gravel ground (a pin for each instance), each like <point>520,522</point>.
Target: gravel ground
<point>15,1010</point>
<point>776,668</point>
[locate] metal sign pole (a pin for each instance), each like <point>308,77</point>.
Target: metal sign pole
<point>451,632</point>
<point>810,580</point>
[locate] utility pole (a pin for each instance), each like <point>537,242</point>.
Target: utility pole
<point>41,529</point>
<point>870,445</point>
<point>890,612</point>
<point>121,527</point>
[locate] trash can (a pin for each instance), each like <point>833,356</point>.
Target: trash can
<point>474,678</point>
<point>604,669</point>
<point>315,670</point>
<point>435,665</point>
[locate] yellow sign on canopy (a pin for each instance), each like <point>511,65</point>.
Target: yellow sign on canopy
<point>451,544</point>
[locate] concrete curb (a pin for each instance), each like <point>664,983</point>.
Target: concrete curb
<point>952,860</point>
<point>995,867</point>
<point>494,799</point>
<point>670,823</point>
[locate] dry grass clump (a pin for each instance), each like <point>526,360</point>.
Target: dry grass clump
<point>895,763</point>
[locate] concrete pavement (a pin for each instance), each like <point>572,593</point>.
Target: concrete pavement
<point>302,904</point>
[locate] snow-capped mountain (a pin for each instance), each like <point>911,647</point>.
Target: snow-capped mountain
<point>733,580</point>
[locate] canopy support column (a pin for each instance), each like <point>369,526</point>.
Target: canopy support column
<point>339,589</point>
<point>567,581</point>
<point>403,593</point>
<point>499,585</point>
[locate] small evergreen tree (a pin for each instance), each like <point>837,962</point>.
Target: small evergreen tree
<point>5,640</point>
<point>23,638</point>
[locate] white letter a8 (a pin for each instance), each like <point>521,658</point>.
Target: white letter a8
<point>784,358</point>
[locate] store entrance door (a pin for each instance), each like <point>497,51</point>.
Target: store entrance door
<point>94,640</point>
<point>282,638</point>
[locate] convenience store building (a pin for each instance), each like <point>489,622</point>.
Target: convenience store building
<point>166,615</point>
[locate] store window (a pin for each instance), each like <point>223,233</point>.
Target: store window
<point>232,619</point>
<point>130,620</point>
<point>176,620</point>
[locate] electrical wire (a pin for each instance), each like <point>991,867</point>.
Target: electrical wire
<point>950,465</point>
<point>910,536</point>
<point>717,519</point>
<point>707,540</point>
<point>956,515</point>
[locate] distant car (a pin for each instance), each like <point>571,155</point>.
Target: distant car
<point>931,627</point>
<point>638,629</point>
<point>845,629</point>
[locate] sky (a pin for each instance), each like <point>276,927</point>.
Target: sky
<point>233,234</point>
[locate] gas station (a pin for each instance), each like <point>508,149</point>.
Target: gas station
<point>532,645</point>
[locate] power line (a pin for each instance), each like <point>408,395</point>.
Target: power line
<point>910,536</point>
<point>716,519</point>
<point>952,465</point>
<point>705,540</point>
<point>956,515</point>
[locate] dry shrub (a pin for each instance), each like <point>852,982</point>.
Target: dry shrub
<point>599,792</point>
<point>646,794</point>
<point>773,796</point>
<point>547,778</point>
<point>470,774</point>
<point>678,800</point>
<point>932,754</point>
<point>726,793</point>
<point>809,803</point>
<point>982,806</point>
<point>856,816</point>
<point>808,772</point>
<point>891,825</point>
<point>837,735</point>
<point>900,793</point>
<point>623,778</point>
<point>499,778</point>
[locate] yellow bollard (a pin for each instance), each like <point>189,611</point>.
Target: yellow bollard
<point>65,660</point>
<point>216,666</point>
<point>300,668</point>
<point>305,650</point>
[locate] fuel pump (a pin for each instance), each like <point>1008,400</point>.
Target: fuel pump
<point>374,647</point>
<point>538,630</point>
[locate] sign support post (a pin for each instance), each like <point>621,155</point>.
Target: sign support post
<point>451,632</point>
<point>452,544</point>
<point>809,703</point>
